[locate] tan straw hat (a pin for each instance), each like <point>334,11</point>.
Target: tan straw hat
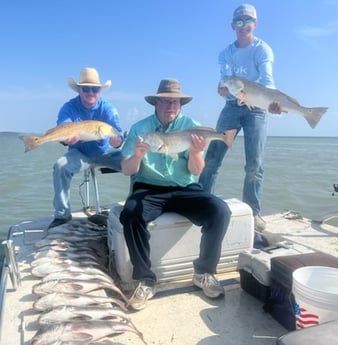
<point>168,88</point>
<point>88,77</point>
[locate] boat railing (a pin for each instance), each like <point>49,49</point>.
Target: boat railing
<point>3,281</point>
<point>12,264</point>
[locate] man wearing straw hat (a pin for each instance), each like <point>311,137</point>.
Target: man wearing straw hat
<point>162,183</point>
<point>88,105</point>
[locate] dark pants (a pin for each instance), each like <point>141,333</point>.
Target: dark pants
<point>147,202</point>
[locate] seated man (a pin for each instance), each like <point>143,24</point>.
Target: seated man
<point>161,184</point>
<point>88,105</point>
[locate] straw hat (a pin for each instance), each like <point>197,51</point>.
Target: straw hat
<point>88,77</point>
<point>168,88</point>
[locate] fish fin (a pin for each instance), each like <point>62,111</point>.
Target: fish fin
<point>291,99</point>
<point>31,142</point>
<point>192,129</point>
<point>313,115</point>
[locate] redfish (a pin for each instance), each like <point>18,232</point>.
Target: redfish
<point>256,95</point>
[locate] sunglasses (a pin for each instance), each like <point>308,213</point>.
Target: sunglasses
<point>169,102</point>
<point>86,89</point>
<point>240,22</point>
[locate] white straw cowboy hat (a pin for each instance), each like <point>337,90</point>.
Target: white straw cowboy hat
<point>168,88</point>
<point>88,77</point>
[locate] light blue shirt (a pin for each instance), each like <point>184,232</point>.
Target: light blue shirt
<point>157,168</point>
<point>253,62</point>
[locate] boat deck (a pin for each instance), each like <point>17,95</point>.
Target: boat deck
<point>179,313</point>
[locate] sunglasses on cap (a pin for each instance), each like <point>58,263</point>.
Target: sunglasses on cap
<point>244,22</point>
<point>86,89</point>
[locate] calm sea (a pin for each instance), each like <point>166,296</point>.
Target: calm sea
<point>299,176</point>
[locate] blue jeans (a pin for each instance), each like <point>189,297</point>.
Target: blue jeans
<point>72,163</point>
<point>147,202</point>
<point>254,124</point>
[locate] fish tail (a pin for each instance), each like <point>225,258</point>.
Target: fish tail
<point>313,115</point>
<point>229,137</point>
<point>30,142</point>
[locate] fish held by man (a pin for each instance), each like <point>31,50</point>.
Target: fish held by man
<point>256,95</point>
<point>89,130</point>
<point>172,143</point>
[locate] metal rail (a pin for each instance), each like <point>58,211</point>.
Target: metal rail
<point>12,263</point>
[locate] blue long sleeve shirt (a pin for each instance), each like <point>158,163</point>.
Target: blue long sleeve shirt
<point>74,111</point>
<point>253,62</point>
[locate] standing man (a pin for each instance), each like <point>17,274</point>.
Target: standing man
<point>251,58</point>
<point>161,184</point>
<point>88,105</point>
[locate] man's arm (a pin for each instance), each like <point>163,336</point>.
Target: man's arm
<point>131,165</point>
<point>196,161</point>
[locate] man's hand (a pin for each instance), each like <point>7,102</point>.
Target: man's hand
<point>72,140</point>
<point>141,148</point>
<point>275,108</point>
<point>196,160</point>
<point>222,90</point>
<point>115,141</point>
<point>198,143</point>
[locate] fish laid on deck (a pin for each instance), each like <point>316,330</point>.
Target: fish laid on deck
<point>256,95</point>
<point>90,130</point>
<point>78,275</point>
<point>81,332</point>
<point>56,299</point>
<point>172,143</point>
<point>65,313</point>
<point>75,286</point>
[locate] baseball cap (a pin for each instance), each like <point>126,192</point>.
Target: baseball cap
<point>245,10</point>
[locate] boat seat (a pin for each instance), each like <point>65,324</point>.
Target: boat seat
<point>90,175</point>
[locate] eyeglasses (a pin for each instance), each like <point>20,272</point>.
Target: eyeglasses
<point>168,102</point>
<point>244,22</point>
<point>86,89</point>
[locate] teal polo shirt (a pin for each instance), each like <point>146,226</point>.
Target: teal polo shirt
<point>158,168</point>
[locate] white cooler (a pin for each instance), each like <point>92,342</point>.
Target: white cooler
<point>175,241</point>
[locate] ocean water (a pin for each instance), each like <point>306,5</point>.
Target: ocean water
<point>299,176</point>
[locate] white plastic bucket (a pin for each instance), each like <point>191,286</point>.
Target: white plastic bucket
<point>315,289</point>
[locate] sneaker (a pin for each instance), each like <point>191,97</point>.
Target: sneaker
<point>59,221</point>
<point>209,284</point>
<point>141,295</point>
<point>259,223</point>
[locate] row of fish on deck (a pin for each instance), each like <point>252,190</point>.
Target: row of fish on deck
<point>70,262</point>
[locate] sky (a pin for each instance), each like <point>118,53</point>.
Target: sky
<point>137,43</point>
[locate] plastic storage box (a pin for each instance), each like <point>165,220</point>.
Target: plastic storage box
<point>254,267</point>
<point>175,243</point>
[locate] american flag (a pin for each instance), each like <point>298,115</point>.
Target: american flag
<point>304,318</point>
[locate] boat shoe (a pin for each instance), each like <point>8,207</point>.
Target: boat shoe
<point>209,285</point>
